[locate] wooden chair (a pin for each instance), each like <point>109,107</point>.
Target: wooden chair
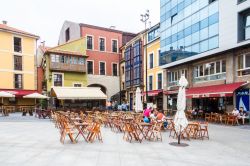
<point>231,119</point>
<point>203,130</point>
<point>155,132</point>
<point>172,132</point>
<point>66,129</point>
<point>207,117</point>
<point>131,133</point>
<point>224,119</point>
<point>95,132</point>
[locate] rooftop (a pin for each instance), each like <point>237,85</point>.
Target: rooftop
<point>5,27</point>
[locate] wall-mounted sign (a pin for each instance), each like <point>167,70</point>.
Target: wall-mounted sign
<point>242,99</point>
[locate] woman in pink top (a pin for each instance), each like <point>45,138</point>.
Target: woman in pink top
<point>147,112</point>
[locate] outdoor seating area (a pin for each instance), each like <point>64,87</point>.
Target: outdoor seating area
<point>78,125</point>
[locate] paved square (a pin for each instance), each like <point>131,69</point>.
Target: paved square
<point>28,141</point>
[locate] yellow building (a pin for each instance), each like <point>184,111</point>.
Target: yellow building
<point>17,64</point>
<point>154,71</point>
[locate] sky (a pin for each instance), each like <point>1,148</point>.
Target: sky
<point>45,17</point>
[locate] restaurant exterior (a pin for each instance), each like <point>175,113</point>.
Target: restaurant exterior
<point>218,83</point>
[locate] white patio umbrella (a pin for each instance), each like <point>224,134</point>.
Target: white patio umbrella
<point>4,94</point>
<point>138,102</point>
<point>180,119</point>
<point>35,96</point>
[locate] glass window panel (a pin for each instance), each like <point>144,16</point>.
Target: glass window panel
<point>188,31</point>
<point>247,21</point>
<point>195,18</point>
<point>187,2</point>
<point>180,6</point>
<point>188,40</point>
<point>223,65</point>
<point>180,26</point>
<point>187,22</point>
<point>174,29</point>
<point>204,23</point>
<point>213,19</point>
<point>201,71</point>
<point>203,13</point>
<point>213,8</point>
<point>174,45</point>
<point>203,3</point>
<point>196,71</point>
<point>218,67</point>
<point>196,48</point>
<point>187,11</point>
<point>213,42</point>
<point>188,49</point>
<point>204,34</point>
<point>213,30</point>
<point>195,27</point>
<point>212,68</point>
<point>174,37</point>
<point>204,46</point>
<point>206,72</point>
<point>247,60</point>
<point>195,6</point>
<point>195,37</point>
<point>180,35</point>
<point>180,43</point>
<point>247,33</point>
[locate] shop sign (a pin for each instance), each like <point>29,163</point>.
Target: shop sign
<point>242,99</point>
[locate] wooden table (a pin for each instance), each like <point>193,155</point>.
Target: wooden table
<point>81,129</point>
<point>144,129</point>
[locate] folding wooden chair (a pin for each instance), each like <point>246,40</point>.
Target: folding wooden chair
<point>94,132</point>
<point>155,132</point>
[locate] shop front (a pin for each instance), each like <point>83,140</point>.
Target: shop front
<point>216,98</point>
<point>155,97</point>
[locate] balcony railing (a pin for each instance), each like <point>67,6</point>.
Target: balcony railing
<point>67,67</point>
<point>220,76</point>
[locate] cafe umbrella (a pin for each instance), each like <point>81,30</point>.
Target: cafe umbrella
<point>35,96</point>
<point>138,101</point>
<point>180,120</point>
<point>5,95</point>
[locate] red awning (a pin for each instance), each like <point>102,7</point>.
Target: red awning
<point>152,92</point>
<point>224,90</point>
<point>19,93</point>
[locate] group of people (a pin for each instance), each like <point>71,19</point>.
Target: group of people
<point>113,105</point>
<point>241,114</point>
<point>153,114</point>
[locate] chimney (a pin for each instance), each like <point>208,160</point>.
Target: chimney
<point>43,43</point>
<point>5,22</point>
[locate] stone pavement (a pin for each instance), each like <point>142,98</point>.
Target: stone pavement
<point>28,141</point>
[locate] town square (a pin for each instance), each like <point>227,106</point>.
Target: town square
<point>125,83</point>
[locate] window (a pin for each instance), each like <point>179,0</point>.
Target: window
<point>18,81</point>
<point>114,46</point>
<point>77,85</point>
<point>244,64</point>
<point>57,78</point>
<point>240,1</point>
<point>90,42</point>
<point>102,68</point>
<point>244,25</point>
<point>150,85</point>
<point>151,60</point>
<point>211,1</point>
<point>159,76</point>
<point>123,70</point>
<point>90,67</point>
<point>210,71</point>
<point>67,35</point>
<point>102,44</point>
<point>17,44</point>
<point>153,34</point>
<point>174,18</point>
<point>17,62</point>
<point>81,61</point>
<point>114,67</point>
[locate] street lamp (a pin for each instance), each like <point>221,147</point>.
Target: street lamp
<point>144,19</point>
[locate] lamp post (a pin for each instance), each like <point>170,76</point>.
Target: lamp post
<point>144,19</point>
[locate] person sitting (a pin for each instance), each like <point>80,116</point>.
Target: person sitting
<point>242,115</point>
<point>235,112</point>
<point>161,117</point>
<point>146,114</point>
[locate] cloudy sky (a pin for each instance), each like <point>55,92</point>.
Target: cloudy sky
<point>45,17</point>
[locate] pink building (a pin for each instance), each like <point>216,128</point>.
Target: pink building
<point>103,53</point>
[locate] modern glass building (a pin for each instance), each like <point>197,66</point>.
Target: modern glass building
<point>188,27</point>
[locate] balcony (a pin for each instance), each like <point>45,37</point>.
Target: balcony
<point>221,76</point>
<point>67,67</point>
